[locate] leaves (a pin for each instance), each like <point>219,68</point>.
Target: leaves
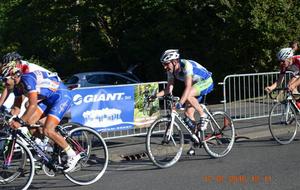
<point>227,36</point>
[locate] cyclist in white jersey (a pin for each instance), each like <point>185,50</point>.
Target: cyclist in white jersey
<point>25,66</point>
<point>48,98</point>
<point>198,83</point>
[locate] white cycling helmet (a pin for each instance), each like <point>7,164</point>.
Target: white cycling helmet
<point>285,53</point>
<point>169,55</point>
<point>10,69</point>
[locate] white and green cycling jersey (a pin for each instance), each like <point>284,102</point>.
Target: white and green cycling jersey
<point>190,68</point>
<point>201,77</point>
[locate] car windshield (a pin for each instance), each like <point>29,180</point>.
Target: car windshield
<point>107,79</point>
<point>72,80</point>
<point>130,76</point>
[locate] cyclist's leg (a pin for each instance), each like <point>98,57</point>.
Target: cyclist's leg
<point>201,88</point>
<point>190,111</point>
<point>35,117</point>
<point>60,104</point>
<point>294,83</point>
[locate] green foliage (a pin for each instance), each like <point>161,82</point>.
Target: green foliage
<point>226,36</point>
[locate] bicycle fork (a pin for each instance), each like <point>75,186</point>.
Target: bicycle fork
<point>9,149</point>
<point>169,130</point>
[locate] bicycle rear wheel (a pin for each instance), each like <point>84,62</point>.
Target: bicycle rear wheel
<point>219,136</point>
<point>92,147</point>
<point>19,173</point>
<point>283,122</point>
<point>164,147</point>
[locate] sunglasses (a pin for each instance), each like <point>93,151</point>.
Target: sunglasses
<point>166,63</point>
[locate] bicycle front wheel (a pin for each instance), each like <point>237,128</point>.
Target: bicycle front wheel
<point>219,136</point>
<point>164,143</point>
<point>92,147</point>
<point>283,122</point>
<point>17,165</point>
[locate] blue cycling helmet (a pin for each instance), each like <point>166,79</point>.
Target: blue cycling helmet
<point>12,56</point>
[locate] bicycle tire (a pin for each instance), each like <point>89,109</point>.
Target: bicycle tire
<point>219,137</point>
<point>95,160</point>
<point>70,125</point>
<point>158,147</point>
<point>282,123</point>
<point>19,174</point>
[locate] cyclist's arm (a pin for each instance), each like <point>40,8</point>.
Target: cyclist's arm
<point>276,83</point>
<point>15,110</point>
<point>279,80</point>
<point>168,89</point>
<point>4,96</point>
<point>32,101</point>
<point>188,86</point>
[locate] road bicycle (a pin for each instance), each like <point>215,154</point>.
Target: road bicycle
<point>283,122</point>
<point>19,151</point>
<point>165,137</point>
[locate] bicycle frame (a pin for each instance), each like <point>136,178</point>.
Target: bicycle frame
<point>45,158</point>
<point>164,143</point>
<point>175,115</point>
<point>290,101</point>
<point>15,134</point>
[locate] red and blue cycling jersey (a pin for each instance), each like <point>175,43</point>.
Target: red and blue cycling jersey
<point>54,98</point>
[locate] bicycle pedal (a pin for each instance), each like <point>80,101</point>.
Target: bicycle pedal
<point>191,152</point>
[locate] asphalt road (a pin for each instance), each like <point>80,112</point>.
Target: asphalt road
<point>252,164</point>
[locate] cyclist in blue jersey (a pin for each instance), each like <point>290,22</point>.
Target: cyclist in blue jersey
<point>198,83</point>
<point>48,97</point>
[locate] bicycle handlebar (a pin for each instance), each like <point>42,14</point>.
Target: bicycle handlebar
<point>5,116</point>
<point>277,92</point>
<point>169,98</point>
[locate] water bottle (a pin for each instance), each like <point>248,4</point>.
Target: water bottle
<point>189,123</point>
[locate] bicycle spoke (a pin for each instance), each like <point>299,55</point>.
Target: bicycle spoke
<point>168,152</point>
<point>17,171</point>
<point>283,122</point>
<point>94,159</point>
<point>219,135</point>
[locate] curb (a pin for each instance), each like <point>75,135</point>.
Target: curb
<point>137,151</point>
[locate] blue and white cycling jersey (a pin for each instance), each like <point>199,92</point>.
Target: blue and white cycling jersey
<point>190,68</point>
<point>44,83</point>
<point>55,98</point>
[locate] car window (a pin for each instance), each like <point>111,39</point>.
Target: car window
<point>107,79</point>
<point>72,80</point>
<point>131,76</point>
<point>114,79</point>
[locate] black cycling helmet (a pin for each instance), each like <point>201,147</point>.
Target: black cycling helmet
<point>12,56</point>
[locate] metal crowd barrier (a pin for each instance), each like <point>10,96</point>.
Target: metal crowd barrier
<point>245,97</point>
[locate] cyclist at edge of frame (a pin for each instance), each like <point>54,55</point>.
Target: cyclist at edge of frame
<point>47,97</point>
<point>288,62</point>
<point>25,66</point>
<point>198,83</point>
